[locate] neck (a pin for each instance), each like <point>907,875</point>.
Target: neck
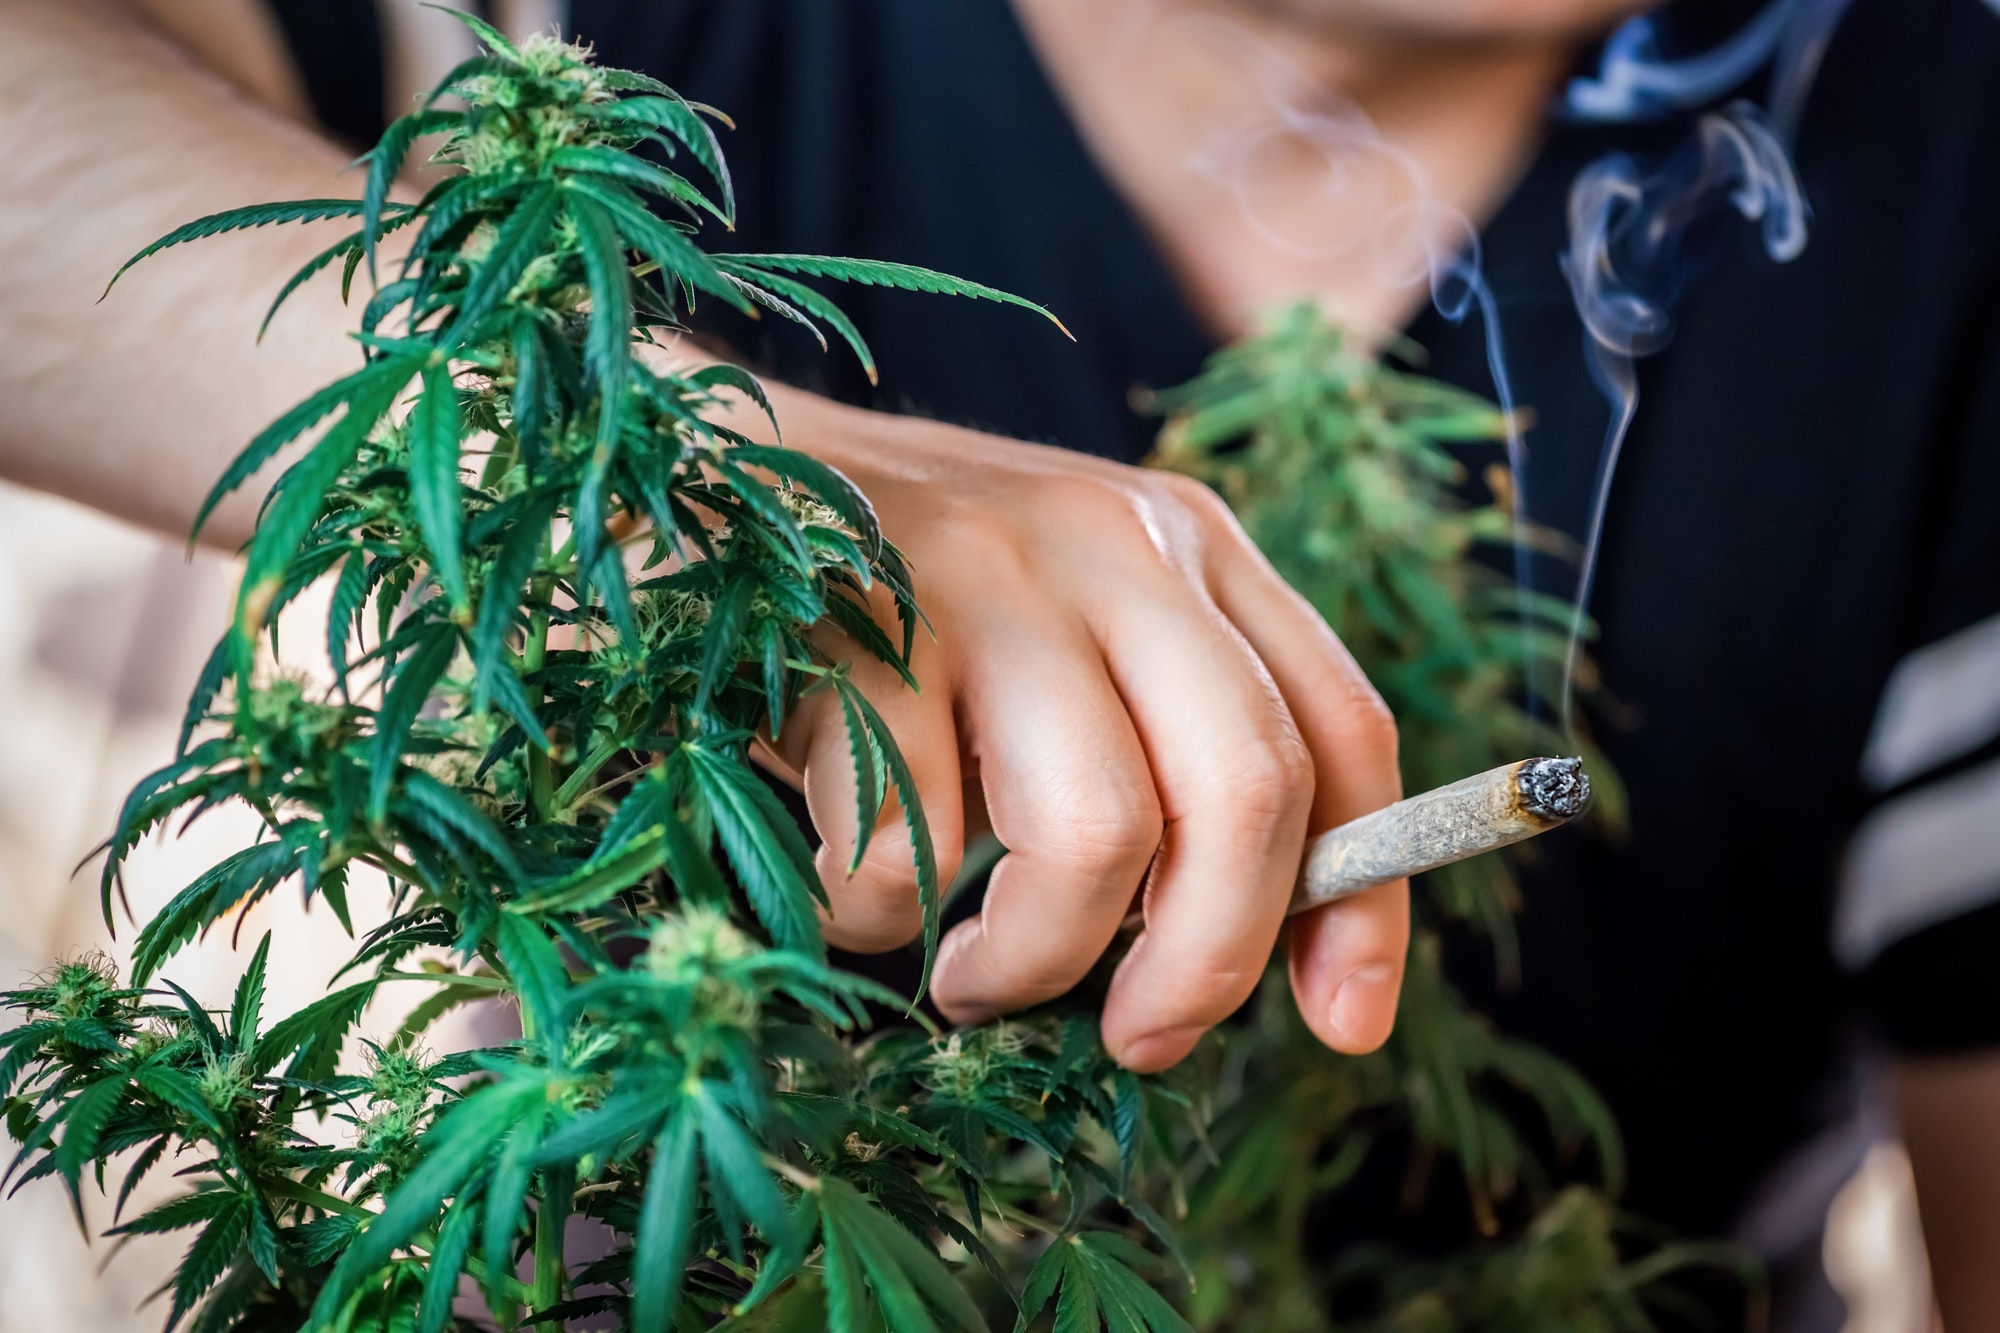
<point>1275,158</point>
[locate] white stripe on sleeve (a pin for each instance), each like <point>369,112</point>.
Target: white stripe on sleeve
<point>1941,701</point>
<point>1918,860</point>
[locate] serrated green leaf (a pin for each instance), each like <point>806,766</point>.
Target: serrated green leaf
<point>84,1117</point>
<point>385,160</point>
<point>262,1242</point>
<point>541,978</point>
<point>659,240</point>
<point>209,1255</point>
<point>237,219</point>
<point>344,246</point>
<point>248,1005</point>
<point>179,1091</point>
<point>878,273</point>
<point>796,300</point>
<point>828,484</point>
<point>297,500</point>
<point>735,1167</point>
<point>1128,1122</point>
<point>449,808</point>
<point>923,852</point>
<point>230,882</point>
<point>595,881</point>
<point>447,1262</point>
<point>520,238</point>
<point>669,111</point>
<point>728,619</point>
<point>494,39</point>
<point>858,623</point>
<point>906,1277</point>
<point>408,691</point>
<point>764,847</point>
<point>454,1147</point>
<point>611,163</point>
<point>360,387</point>
<point>666,1222</point>
<point>186,1210</point>
<point>434,480</point>
<point>350,589</point>
<point>1042,1281</point>
<point>137,1171</point>
<point>313,1035</point>
<point>871,778</point>
<point>500,598</point>
<point>607,345</point>
<point>506,1201</point>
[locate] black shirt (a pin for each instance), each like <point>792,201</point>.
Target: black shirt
<point>1811,493</point>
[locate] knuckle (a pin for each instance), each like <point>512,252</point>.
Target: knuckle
<point>1371,725</point>
<point>1088,502</point>
<point>1198,503</point>
<point>1271,778</point>
<point>1197,497</point>
<point>1102,826</point>
<point>974,535</point>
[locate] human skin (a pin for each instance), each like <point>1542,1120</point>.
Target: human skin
<point>1485,23</point>
<point>1178,719</point>
<point>1456,88</point>
<point>135,405</point>
<point>1948,1107</point>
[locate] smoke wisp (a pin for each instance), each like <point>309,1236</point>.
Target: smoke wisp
<point>1629,219</point>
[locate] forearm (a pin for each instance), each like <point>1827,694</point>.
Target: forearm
<point>111,137</point>
<point>1950,1113</point>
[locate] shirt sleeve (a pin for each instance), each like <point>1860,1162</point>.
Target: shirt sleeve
<point>1917,924</point>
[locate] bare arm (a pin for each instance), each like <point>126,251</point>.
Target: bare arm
<point>1178,722</point>
<point>1950,1111</point>
<point>110,137</point>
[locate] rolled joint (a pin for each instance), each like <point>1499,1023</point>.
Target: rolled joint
<point>1478,814</point>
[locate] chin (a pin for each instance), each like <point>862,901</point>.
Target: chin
<point>1474,20</point>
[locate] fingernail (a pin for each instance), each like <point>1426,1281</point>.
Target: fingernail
<point>1363,1007</point>
<point>1158,1050</point>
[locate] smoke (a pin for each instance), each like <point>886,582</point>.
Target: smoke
<point>1634,82</point>
<point>1416,241</point>
<point>1628,219</point>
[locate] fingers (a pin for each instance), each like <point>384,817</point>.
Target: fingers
<point>1346,964</point>
<point>1068,790</point>
<point>1346,957</point>
<point>1236,787</point>
<point>1179,709</point>
<point>877,907</point>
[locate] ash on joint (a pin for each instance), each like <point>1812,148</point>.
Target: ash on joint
<point>1554,788</point>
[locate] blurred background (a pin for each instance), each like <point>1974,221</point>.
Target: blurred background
<point>103,630</point>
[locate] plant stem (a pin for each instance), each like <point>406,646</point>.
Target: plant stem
<point>541,782</point>
<point>550,1222</point>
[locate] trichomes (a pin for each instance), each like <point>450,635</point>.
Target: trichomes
<point>565,596</point>
<point>1343,468</point>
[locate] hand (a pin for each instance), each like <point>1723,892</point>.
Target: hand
<point>1126,691</point>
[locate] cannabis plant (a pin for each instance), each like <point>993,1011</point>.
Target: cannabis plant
<point>1341,467</point>
<point>565,600</point>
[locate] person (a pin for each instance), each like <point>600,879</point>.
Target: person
<point>1797,591</point>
